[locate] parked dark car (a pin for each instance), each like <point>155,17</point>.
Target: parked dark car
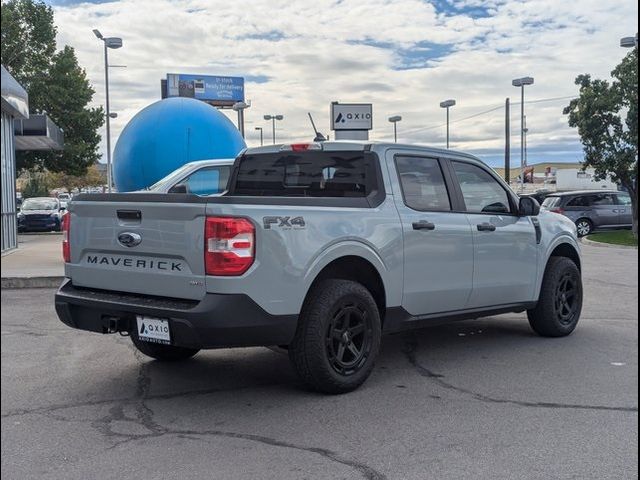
<point>592,210</point>
<point>40,214</point>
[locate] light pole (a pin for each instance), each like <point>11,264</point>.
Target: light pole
<point>273,119</point>
<point>521,82</point>
<point>240,107</point>
<point>261,138</point>
<point>629,42</point>
<point>447,104</point>
<point>395,119</point>
<point>526,132</point>
<point>109,42</point>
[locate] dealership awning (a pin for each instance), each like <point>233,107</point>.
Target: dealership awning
<point>38,132</point>
<point>15,100</point>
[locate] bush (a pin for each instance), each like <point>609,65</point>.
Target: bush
<point>36,186</point>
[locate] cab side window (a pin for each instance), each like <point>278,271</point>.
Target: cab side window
<point>423,185</point>
<point>482,193</point>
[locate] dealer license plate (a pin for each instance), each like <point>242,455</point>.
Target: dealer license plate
<point>155,330</point>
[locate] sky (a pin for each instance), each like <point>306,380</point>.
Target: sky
<point>403,56</point>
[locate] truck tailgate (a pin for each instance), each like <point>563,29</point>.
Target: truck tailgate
<point>147,247</point>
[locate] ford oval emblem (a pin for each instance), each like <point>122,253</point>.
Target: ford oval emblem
<point>129,239</point>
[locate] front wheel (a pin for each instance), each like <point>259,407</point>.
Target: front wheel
<point>560,304</point>
<point>338,337</point>
<point>170,353</point>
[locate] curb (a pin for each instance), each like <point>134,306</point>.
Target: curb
<point>31,282</point>
<point>606,245</point>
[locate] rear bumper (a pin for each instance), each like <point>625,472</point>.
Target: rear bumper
<point>215,321</point>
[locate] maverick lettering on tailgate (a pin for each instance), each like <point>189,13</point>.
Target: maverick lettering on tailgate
<point>139,263</point>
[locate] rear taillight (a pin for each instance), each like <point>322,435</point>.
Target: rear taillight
<point>229,245</point>
<point>558,210</point>
<point>66,226</point>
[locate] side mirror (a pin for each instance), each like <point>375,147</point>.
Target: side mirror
<point>529,207</point>
<point>179,188</point>
<point>63,209</point>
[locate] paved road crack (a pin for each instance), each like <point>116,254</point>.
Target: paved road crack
<point>410,347</point>
<point>138,418</point>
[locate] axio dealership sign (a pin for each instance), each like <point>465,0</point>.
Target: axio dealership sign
<point>351,116</point>
<point>216,90</point>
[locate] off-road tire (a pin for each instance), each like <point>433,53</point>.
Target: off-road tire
<point>560,304</point>
<point>325,341</point>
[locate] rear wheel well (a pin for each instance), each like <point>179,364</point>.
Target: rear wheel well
<point>568,251</point>
<point>358,270</point>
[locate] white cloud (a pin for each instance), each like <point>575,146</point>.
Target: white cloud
<point>314,53</point>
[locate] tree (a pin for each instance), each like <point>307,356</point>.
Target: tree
<point>55,83</point>
<point>606,116</point>
<point>92,178</point>
<point>28,40</point>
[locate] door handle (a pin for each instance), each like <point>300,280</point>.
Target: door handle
<point>423,225</point>
<point>486,227</point>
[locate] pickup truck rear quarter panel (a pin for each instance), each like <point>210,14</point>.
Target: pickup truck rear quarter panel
<point>297,255</point>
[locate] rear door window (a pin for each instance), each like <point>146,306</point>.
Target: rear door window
<point>602,199</point>
<point>306,174</point>
<point>582,201</point>
<point>423,185</point>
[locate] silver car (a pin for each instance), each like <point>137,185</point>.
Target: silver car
<point>591,210</point>
<point>202,177</point>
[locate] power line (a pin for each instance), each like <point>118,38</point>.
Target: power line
<point>485,112</point>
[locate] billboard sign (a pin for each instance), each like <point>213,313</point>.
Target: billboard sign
<point>351,116</point>
<point>216,90</point>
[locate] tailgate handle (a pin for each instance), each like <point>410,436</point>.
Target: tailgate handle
<point>135,215</point>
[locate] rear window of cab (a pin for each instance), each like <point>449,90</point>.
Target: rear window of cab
<point>306,174</point>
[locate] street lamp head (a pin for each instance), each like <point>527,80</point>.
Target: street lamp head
<point>258,128</point>
<point>267,117</point>
<point>113,42</point>
<point>239,106</point>
<point>629,42</point>
<point>279,117</point>
<point>113,115</point>
<point>97,33</point>
<point>447,103</point>
<point>519,82</point>
<point>395,118</point>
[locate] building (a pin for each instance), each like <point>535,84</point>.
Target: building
<point>15,105</point>
<point>20,131</point>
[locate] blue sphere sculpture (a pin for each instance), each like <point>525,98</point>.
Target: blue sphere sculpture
<point>166,135</point>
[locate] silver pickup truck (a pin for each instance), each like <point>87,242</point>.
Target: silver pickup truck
<point>319,248</point>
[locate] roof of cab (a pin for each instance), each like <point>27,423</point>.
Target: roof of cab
<point>354,145</point>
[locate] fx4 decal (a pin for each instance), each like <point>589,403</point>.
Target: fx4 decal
<point>283,222</point>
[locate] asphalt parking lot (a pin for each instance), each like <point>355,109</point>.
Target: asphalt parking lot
<point>478,399</point>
